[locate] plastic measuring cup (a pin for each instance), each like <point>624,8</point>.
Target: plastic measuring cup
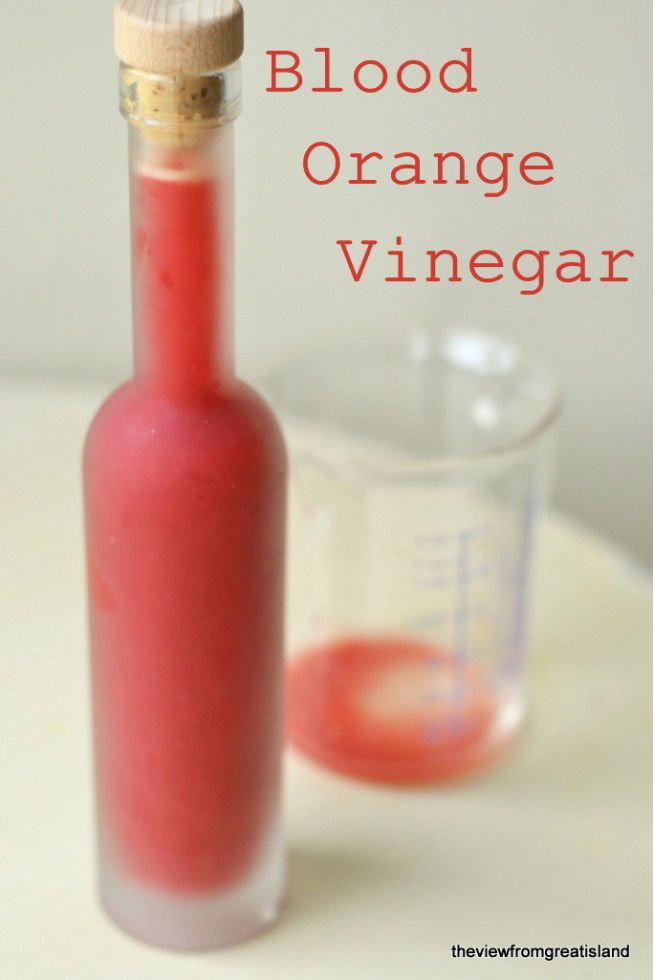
<point>418,469</point>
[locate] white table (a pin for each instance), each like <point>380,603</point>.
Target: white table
<point>551,848</point>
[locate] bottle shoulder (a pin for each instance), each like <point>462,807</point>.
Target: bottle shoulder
<point>134,424</point>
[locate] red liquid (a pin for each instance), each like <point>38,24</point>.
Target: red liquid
<point>185,504</point>
<point>182,248</point>
<point>391,710</point>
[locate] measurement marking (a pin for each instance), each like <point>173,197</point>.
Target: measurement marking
<point>521,577</point>
<point>434,539</point>
<point>480,531</point>
<point>473,575</point>
<point>461,639</point>
<point>435,583</point>
<point>452,563</point>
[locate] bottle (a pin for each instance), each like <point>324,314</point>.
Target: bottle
<point>184,485</point>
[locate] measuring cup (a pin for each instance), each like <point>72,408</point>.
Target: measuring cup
<point>418,467</point>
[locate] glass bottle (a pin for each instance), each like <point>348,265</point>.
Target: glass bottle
<point>184,480</point>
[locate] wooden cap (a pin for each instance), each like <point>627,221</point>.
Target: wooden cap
<point>184,37</point>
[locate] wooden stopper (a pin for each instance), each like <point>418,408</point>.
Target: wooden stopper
<point>178,37</point>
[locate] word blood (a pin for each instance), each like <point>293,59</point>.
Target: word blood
<point>370,75</point>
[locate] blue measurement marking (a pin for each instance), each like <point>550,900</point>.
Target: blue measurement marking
<point>446,583</point>
<point>443,563</point>
<point>521,580</point>
<point>434,539</point>
<point>480,531</point>
<point>461,639</point>
<point>439,584</point>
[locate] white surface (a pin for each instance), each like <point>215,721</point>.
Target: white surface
<point>551,848</point>
<point>568,77</point>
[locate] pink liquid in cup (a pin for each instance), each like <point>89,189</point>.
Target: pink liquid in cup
<point>391,709</point>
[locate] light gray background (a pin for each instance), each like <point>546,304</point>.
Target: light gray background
<point>571,78</point>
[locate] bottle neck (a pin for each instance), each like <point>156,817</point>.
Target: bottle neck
<point>182,260</point>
